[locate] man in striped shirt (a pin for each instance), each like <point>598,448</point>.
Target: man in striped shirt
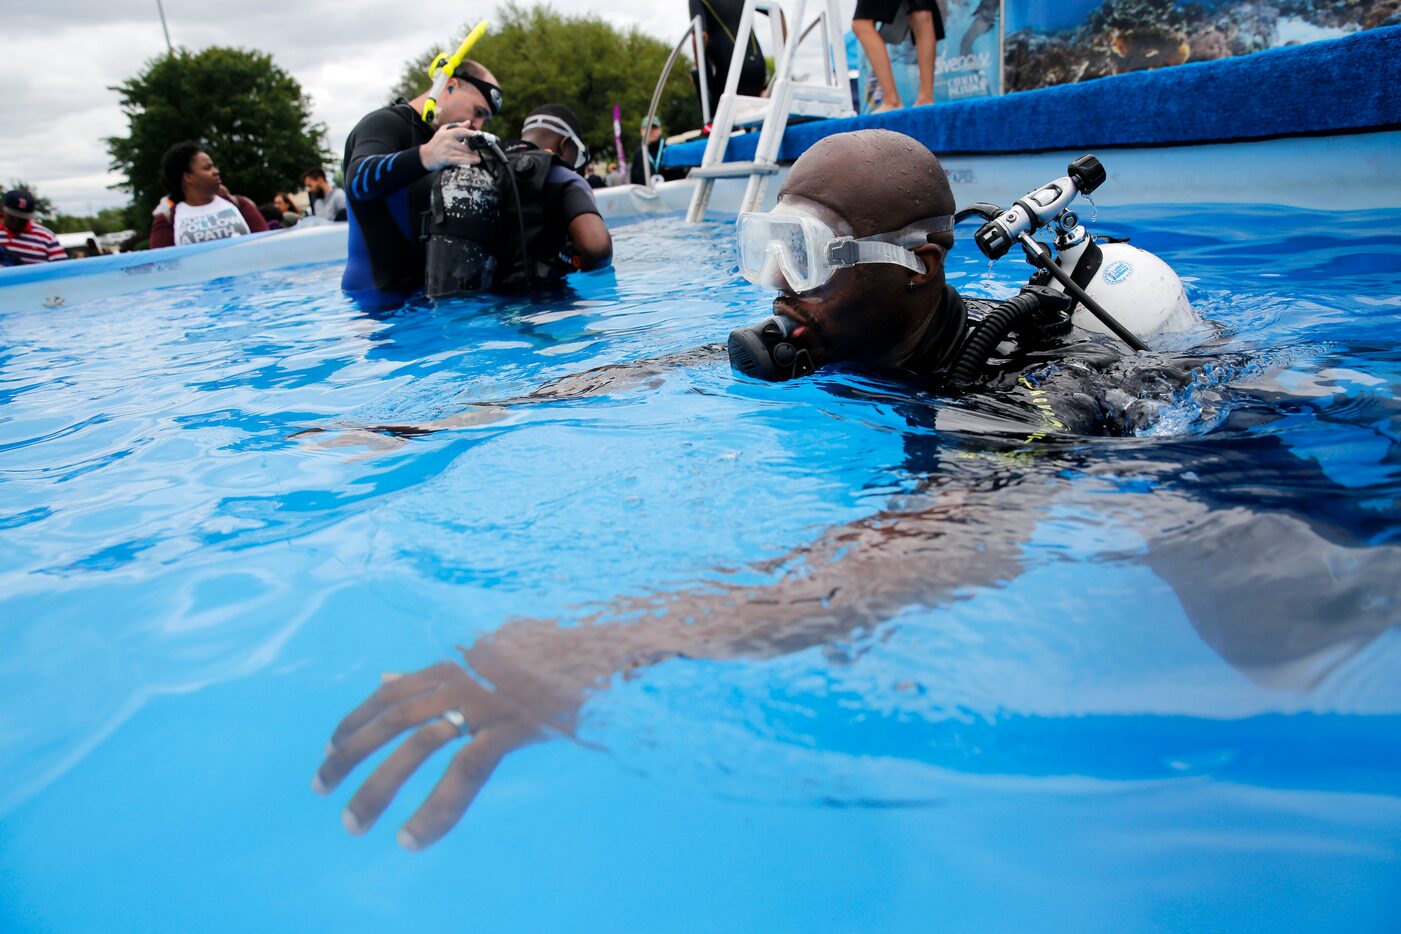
<point>21,240</point>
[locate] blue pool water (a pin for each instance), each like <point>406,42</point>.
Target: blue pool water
<point>1099,698</point>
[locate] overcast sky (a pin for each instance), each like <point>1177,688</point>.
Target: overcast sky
<point>346,54</point>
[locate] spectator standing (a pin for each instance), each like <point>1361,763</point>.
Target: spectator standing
<point>925,21</point>
<point>655,146</point>
<point>199,208</point>
<point>327,201</point>
<point>21,240</point>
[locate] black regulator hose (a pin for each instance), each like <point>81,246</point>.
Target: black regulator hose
<point>1015,313</point>
<point>1040,260</point>
<point>486,140</point>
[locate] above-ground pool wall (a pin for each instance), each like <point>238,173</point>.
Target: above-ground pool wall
<point>1311,126</point>
<point>53,285</point>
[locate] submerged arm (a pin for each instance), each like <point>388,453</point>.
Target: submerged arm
<point>529,679</point>
<point>600,381</point>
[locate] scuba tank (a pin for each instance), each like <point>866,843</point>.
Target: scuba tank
<point>487,226</point>
<point>1135,286</point>
<point>1119,289</point>
<point>460,227</point>
<point>1108,288</point>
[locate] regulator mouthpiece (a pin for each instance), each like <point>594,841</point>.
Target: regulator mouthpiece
<point>766,351</point>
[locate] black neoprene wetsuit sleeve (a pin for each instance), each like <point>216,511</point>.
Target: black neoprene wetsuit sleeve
<point>575,200</point>
<point>380,164</point>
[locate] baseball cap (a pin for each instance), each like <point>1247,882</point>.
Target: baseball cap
<point>20,203</point>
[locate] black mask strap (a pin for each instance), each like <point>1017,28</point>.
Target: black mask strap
<point>491,92</point>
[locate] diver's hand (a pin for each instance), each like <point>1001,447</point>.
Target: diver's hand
<point>432,703</point>
<point>449,147</point>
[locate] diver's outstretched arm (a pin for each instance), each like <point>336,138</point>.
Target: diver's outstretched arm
<point>600,381</point>
<point>527,681</point>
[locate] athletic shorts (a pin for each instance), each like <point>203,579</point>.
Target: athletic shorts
<point>884,11</point>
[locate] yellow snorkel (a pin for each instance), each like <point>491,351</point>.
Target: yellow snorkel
<point>444,65</point>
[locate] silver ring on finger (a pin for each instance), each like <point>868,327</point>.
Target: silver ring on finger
<point>459,722</point>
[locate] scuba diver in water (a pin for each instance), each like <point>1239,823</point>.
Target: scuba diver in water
<point>857,258</point>
<point>390,158</point>
<point>521,218</point>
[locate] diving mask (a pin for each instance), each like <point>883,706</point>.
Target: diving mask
<point>556,125</point>
<point>789,246</point>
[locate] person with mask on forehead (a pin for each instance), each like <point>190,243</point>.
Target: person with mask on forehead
<point>389,160</point>
<point>564,232</point>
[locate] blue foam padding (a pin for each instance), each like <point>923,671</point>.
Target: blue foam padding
<point>1323,87</point>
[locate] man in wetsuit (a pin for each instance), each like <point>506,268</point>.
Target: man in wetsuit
<point>1320,585</point>
<point>389,158</point>
<point>917,337</point>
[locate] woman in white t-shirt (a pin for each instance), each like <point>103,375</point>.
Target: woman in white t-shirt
<point>199,208</point>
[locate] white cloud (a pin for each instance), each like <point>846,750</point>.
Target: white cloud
<point>346,54</point>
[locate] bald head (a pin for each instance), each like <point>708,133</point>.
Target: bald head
<point>878,180</point>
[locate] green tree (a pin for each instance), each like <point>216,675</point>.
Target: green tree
<point>544,57</point>
<point>107,220</point>
<point>251,115</point>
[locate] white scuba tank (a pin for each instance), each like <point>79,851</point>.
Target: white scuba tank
<point>1136,287</point>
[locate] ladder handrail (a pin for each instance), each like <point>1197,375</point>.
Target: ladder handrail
<point>693,31</point>
<point>783,94</point>
<point>820,19</point>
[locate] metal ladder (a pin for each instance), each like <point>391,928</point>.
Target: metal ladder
<point>787,97</point>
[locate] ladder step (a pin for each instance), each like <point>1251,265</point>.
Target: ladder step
<point>734,169</point>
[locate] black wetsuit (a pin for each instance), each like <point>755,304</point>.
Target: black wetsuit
<point>1081,386</point>
<point>387,192</point>
<point>1047,402</point>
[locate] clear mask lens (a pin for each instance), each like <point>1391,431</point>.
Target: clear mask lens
<point>803,253</point>
<point>779,250</point>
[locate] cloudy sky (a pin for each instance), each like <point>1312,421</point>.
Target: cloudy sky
<point>346,54</point>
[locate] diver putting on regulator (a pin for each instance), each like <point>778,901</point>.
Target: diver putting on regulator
<point>390,158</point>
<point>437,203</point>
<point>854,292</point>
<point>519,218</point>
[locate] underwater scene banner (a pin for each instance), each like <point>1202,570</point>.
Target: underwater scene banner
<point>968,59</point>
<point>1075,40</point>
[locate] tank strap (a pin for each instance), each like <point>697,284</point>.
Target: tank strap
<point>1084,272</point>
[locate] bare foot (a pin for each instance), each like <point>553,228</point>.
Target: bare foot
<point>924,101</point>
<point>894,105</point>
